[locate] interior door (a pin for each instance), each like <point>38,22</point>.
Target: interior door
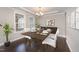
<point>32,24</point>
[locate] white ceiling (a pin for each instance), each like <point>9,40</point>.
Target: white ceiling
<point>47,10</point>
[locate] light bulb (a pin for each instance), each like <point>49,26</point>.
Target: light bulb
<point>41,13</point>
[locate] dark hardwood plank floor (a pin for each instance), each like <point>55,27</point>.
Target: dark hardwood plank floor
<point>23,45</point>
<point>61,45</point>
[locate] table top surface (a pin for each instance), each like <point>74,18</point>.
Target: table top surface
<point>36,35</point>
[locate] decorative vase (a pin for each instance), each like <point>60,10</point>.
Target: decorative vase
<point>7,44</point>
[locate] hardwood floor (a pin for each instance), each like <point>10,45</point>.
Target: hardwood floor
<point>23,45</point>
<point>61,45</point>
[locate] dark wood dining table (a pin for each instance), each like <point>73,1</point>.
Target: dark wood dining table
<point>36,35</point>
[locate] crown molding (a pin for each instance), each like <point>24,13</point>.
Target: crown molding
<point>52,12</point>
<point>26,10</point>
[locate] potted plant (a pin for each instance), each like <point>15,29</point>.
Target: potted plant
<point>37,27</point>
<point>7,30</point>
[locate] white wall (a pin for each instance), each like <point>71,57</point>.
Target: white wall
<point>28,27</point>
<point>72,34</point>
<point>26,17</point>
<point>8,15</point>
<point>59,21</point>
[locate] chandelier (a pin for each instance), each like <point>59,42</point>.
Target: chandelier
<point>39,11</point>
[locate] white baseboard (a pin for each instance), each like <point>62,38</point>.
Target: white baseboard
<point>68,44</point>
<point>62,36</point>
<point>1,44</point>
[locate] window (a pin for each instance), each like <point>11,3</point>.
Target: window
<point>32,24</point>
<point>19,22</point>
<point>75,19</point>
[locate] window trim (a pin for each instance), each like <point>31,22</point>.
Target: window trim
<point>15,22</point>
